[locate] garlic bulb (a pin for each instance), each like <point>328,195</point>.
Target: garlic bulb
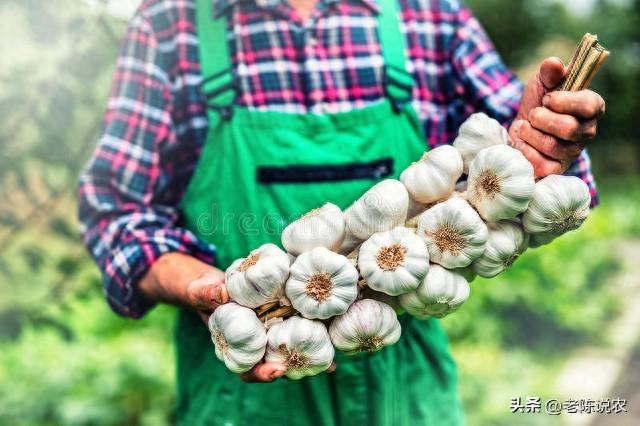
<point>454,233</point>
<point>394,262</point>
<point>441,293</point>
<point>259,278</point>
<point>479,131</point>
<point>238,335</point>
<point>501,183</point>
<point>322,283</point>
<point>367,326</point>
<point>559,204</point>
<point>381,208</point>
<point>506,242</point>
<point>302,345</point>
<point>434,176</point>
<point>321,227</point>
<point>467,272</point>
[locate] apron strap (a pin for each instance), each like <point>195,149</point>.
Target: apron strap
<point>218,83</point>
<point>398,82</point>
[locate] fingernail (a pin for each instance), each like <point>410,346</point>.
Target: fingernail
<point>277,373</point>
<point>545,100</point>
<point>516,126</point>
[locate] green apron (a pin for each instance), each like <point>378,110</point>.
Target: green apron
<point>257,171</point>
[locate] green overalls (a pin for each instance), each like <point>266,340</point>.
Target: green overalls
<point>260,169</point>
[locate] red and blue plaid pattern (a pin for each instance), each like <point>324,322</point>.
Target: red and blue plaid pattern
<point>156,124</point>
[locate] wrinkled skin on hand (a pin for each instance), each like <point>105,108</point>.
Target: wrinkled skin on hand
<point>553,127</point>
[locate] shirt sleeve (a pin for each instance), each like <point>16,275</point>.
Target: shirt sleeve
<point>127,204</point>
<point>489,86</point>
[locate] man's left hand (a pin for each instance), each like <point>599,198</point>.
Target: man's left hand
<point>552,127</point>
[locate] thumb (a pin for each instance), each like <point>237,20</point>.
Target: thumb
<point>206,296</point>
<point>549,76</point>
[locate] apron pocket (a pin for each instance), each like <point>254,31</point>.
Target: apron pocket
<point>325,172</point>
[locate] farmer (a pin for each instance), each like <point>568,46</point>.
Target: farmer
<point>214,100</point>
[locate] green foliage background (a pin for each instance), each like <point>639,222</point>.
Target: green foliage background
<point>66,359</point>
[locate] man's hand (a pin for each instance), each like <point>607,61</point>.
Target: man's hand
<point>183,280</point>
<point>552,128</point>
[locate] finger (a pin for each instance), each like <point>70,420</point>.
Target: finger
<point>208,297</point>
<point>551,72</point>
<point>264,372</point>
<point>542,165</point>
<point>584,104</point>
<point>549,145</point>
<point>331,368</point>
<point>562,126</point>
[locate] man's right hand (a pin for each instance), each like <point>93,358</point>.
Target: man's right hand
<point>182,280</point>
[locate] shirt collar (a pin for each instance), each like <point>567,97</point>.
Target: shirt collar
<point>221,6</point>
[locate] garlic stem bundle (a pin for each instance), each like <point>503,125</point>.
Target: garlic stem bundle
<point>506,242</point>
<point>302,345</point>
<point>367,326</point>
<point>321,227</point>
<point>434,176</point>
<point>441,293</point>
<point>322,284</point>
<point>259,278</point>
<point>381,208</point>
<point>477,132</point>
<point>394,262</point>
<point>238,335</point>
<point>559,204</point>
<point>501,183</point>
<point>454,233</point>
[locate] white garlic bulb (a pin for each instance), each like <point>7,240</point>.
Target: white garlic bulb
<point>322,284</point>
<point>479,131</point>
<point>302,345</point>
<point>501,183</point>
<point>238,335</point>
<point>506,242</point>
<point>367,326</point>
<point>467,272</point>
<point>394,262</point>
<point>441,293</point>
<point>559,204</point>
<point>321,227</point>
<point>258,278</point>
<point>454,233</point>
<point>381,208</point>
<point>434,176</point>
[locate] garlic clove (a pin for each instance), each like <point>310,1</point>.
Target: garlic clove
<point>501,183</point>
<point>477,132</point>
<point>322,284</point>
<point>441,293</point>
<point>349,244</point>
<point>238,335</point>
<point>381,208</point>
<point>321,227</point>
<point>434,176</point>
<point>394,262</point>
<point>367,326</point>
<point>506,242</point>
<point>302,345</point>
<point>259,278</point>
<point>454,233</point>
<point>559,204</point>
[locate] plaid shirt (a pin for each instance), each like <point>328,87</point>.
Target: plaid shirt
<point>156,124</point>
